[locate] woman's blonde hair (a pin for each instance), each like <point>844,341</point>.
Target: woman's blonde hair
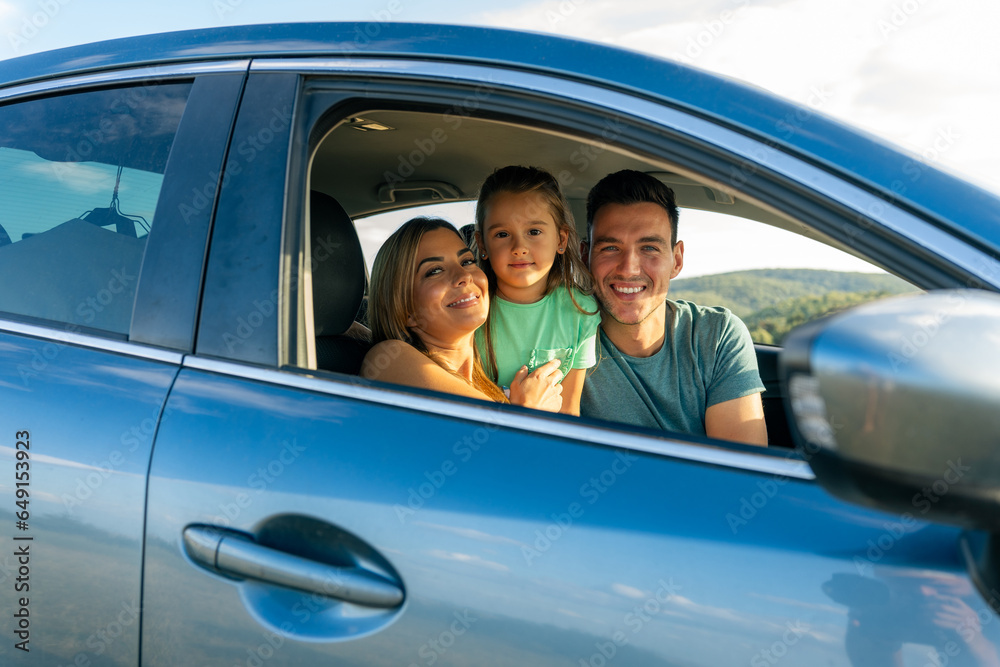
<point>568,269</point>
<point>391,302</point>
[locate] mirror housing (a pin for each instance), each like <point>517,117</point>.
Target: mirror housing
<point>897,404</point>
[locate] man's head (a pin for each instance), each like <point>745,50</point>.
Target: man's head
<point>629,186</point>
<point>633,250</point>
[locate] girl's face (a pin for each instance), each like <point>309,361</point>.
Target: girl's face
<point>521,240</point>
<point>450,292</point>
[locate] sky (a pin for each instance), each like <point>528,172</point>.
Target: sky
<point>922,74</point>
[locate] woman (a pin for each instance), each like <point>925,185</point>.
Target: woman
<point>427,299</point>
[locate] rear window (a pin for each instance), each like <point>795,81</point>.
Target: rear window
<point>80,176</point>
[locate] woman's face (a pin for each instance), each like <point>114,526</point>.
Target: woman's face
<point>450,294</point>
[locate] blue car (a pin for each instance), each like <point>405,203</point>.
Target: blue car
<point>195,474</point>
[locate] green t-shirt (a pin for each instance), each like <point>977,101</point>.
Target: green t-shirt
<point>533,333</point>
<point>707,358</point>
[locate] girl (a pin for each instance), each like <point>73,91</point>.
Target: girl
<point>538,285</point>
<point>428,297</point>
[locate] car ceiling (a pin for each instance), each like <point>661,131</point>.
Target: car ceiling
<point>351,165</point>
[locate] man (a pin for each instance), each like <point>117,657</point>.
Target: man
<point>663,364</point>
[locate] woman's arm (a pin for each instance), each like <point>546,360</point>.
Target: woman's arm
<point>572,390</point>
<point>401,363</point>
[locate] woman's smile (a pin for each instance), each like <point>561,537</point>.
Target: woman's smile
<point>465,302</point>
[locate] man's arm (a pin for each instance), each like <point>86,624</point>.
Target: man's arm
<point>739,420</point>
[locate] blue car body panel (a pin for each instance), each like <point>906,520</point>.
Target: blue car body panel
<point>92,417</point>
<point>525,548</point>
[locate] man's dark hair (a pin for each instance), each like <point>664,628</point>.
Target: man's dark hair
<point>629,186</point>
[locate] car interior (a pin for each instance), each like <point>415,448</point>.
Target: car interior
<point>387,160</point>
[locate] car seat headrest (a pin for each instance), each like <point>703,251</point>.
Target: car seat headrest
<point>338,266</point>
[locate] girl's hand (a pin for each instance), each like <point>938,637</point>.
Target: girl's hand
<point>539,389</point>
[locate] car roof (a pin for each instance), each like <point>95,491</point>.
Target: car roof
<point>963,208</point>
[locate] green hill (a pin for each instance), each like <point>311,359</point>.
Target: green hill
<point>746,292</point>
<point>769,325</point>
<point>773,301</point>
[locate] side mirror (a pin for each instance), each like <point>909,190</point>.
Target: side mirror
<point>897,402</point>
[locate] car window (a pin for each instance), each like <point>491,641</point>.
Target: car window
<point>771,269</point>
<point>80,176</point>
<point>375,229</point>
<point>773,279</point>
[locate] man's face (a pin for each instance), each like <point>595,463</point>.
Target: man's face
<point>632,260</point>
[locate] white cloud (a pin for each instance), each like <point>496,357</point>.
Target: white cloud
<point>936,75</point>
<point>82,178</point>
<point>628,591</point>
<point>904,70</point>
<point>901,69</point>
<point>601,21</point>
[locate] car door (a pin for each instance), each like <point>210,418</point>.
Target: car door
<point>85,368</point>
<point>297,516</point>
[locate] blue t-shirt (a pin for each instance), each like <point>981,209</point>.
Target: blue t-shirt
<point>533,333</point>
<point>707,358</point>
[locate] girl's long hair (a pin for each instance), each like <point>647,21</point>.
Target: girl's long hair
<point>391,297</point>
<point>568,269</point>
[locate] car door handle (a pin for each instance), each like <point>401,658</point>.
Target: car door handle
<point>234,554</point>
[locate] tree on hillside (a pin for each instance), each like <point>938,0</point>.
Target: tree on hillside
<point>770,325</point>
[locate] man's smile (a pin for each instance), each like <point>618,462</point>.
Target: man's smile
<point>627,288</point>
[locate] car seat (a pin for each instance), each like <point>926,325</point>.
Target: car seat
<point>338,282</point>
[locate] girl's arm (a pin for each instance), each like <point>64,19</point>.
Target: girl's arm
<point>572,390</point>
<point>401,363</point>
<point>539,389</point>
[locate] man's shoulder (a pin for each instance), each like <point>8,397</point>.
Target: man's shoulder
<point>700,320</point>
<point>698,313</point>
<point>710,326</point>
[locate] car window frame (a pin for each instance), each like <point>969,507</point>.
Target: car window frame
<point>778,180</point>
<point>243,302</point>
<point>180,308</point>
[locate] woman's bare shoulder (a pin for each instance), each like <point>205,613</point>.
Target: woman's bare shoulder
<point>380,363</point>
<point>401,363</point>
